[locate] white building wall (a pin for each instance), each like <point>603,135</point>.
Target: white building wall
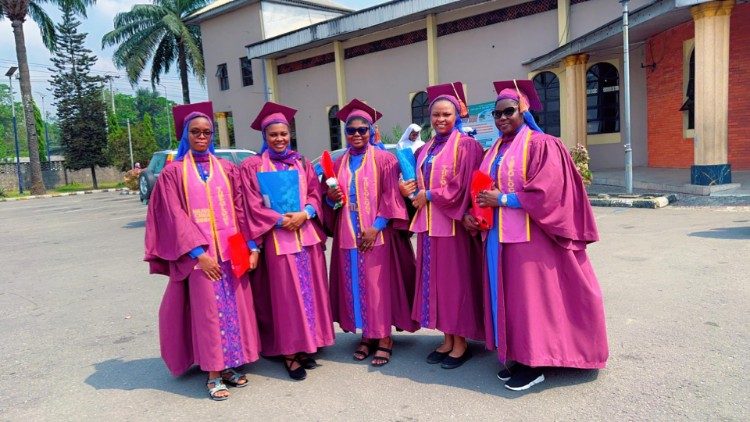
<point>310,91</point>
<point>587,16</point>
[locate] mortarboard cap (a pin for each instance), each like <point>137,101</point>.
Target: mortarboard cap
<point>273,113</point>
<point>524,86</point>
<point>453,90</point>
<point>180,112</point>
<point>357,108</point>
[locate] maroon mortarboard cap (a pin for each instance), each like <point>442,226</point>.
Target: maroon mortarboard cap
<point>357,108</point>
<point>453,92</point>
<point>510,89</point>
<point>179,112</point>
<point>273,113</point>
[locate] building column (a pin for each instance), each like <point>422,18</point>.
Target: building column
<point>573,128</point>
<point>221,121</point>
<point>339,57</point>
<point>563,21</point>
<point>432,55</point>
<point>711,92</point>
<point>270,72</point>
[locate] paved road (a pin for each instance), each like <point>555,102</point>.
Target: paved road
<point>78,333</point>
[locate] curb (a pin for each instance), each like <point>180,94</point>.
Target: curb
<point>652,201</point>
<point>123,191</point>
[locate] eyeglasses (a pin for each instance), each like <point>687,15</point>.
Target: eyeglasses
<point>508,112</point>
<point>361,130</point>
<point>198,133</point>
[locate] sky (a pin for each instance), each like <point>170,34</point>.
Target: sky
<point>98,22</point>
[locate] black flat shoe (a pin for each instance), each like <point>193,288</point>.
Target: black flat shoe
<point>436,357</point>
<point>296,374</point>
<point>507,371</point>
<point>307,361</point>
<point>525,378</point>
<point>451,363</point>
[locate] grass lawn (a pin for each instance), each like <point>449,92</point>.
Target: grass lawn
<point>72,187</point>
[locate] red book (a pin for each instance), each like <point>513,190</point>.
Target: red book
<point>239,255</point>
<point>327,163</point>
<point>480,181</point>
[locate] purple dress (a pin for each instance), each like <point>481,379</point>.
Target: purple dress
<point>382,293</point>
<point>549,309</point>
<point>209,323</point>
<point>290,290</point>
<point>448,293</point>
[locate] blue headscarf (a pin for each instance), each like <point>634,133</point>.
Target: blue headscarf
<point>184,146</point>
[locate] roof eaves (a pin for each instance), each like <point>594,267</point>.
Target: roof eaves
<point>613,28</point>
<point>373,19</point>
<point>209,12</point>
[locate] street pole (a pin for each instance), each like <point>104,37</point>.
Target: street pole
<point>46,134</point>
<point>169,117</point>
<point>130,145</point>
<point>9,74</point>
<point>626,99</point>
<point>112,95</point>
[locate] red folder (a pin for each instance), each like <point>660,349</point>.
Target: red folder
<point>239,255</point>
<point>480,181</point>
<point>327,163</point>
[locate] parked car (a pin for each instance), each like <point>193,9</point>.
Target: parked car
<point>162,158</point>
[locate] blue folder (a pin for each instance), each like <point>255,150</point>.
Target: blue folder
<point>280,190</point>
<point>407,162</point>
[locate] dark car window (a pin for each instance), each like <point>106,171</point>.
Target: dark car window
<point>157,163</point>
<point>241,155</point>
<point>227,155</point>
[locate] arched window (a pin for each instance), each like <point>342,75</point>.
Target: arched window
<point>548,87</point>
<point>602,99</point>
<point>420,109</point>
<point>689,105</point>
<point>334,127</point>
<point>293,135</point>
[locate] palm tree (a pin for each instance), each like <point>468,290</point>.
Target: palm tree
<point>16,11</point>
<point>157,32</point>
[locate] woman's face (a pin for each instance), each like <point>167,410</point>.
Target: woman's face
<point>507,117</point>
<point>443,117</point>
<point>413,135</point>
<point>277,136</point>
<point>199,134</point>
<point>357,133</point>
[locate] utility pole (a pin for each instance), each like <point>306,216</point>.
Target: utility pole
<point>109,78</point>
<point>130,145</point>
<point>626,99</point>
<point>46,134</point>
<point>9,74</point>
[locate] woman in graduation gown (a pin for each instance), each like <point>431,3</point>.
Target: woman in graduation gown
<point>291,295</point>
<point>206,316</point>
<point>372,265</point>
<point>449,280</point>
<point>543,303</point>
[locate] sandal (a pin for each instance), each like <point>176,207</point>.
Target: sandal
<point>382,360</point>
<point>307,361</point>
<point>218,386</point>
<point>360,355</point>
<point>236,379</point>
<point>296,374</point>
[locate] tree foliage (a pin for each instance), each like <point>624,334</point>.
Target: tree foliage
<point>157,33</point>
<point>78,98</point>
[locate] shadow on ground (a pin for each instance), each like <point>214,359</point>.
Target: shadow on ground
<point>724,233</point>
<point>145,374</point>
<point>135,224</point>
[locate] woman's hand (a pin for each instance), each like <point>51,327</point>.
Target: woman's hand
<point>334,193</point>
<point>254,257</point>
<point>367,239</point>
<point>489,198</point>
<point>420,200</point>
<point>470,222</point>
<point>209,266</point>
<point>294,220</point>
<point>407,188</point>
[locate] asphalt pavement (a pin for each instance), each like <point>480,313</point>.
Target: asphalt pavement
<point>79,336</point>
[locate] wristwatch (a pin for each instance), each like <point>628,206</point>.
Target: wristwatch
<point>503,199</point>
